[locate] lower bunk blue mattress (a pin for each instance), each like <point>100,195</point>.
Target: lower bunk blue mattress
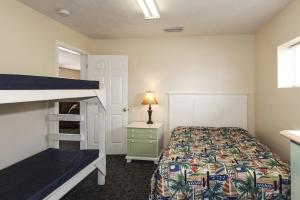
<point>37,176</point>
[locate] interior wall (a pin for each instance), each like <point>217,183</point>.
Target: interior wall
<point>275,109</point>
<point>69,73</point>
<point>28,46</point>
<point>183,64</point>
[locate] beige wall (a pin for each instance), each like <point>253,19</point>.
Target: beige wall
<point>185,64</point>
<point>69,73</point>
<point>276,109</point>
<point>28,41</point>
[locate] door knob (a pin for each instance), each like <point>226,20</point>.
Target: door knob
<point>125,109</point>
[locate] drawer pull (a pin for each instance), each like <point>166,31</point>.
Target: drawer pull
<point>132,141</point>
<point>132,136</point>
<point>151,137</point>
<point>151,142</point>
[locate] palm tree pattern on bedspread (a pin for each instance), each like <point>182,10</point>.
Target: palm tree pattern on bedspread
<point>218,163</point>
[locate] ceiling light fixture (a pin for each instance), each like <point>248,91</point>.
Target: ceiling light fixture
<point>64,12</point>
<point>149,9</point>
<point>68,50</point>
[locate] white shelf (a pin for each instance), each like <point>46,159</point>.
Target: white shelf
<point>66,137</point>
<point>293,135</point>
<point>65,117</point>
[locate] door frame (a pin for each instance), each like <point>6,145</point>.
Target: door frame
<point>83,53</point>
<point>53,107</point>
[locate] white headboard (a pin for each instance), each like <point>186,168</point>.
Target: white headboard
<point>207,109</point>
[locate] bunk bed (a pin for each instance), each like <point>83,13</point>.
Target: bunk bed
<point>51,173</point>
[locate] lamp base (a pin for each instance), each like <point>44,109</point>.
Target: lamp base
<point>149,122</point>
<point>149,115</point>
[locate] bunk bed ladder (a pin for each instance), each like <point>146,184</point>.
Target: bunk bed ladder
<point>53,122</point>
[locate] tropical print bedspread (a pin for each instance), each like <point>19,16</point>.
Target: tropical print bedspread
<point>218,163</point>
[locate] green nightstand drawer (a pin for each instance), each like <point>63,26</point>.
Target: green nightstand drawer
<point>142,133</point>
<point>142,148</point>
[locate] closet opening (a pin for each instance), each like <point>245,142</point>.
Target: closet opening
<point>69,66</point>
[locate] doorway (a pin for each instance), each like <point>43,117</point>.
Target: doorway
<point>69,63</point>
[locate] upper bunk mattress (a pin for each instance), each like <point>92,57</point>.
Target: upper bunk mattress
<point>219,163</point>
<point>36,177</point>
<point>24,82</point>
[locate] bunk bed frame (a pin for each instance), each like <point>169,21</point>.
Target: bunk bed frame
<point>95,96</point>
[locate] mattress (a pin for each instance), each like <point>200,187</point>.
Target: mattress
<point>36,177</point>
<point>219,163</point>
<point>23,82</point>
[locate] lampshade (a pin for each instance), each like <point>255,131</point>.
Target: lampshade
<point>149,98</point>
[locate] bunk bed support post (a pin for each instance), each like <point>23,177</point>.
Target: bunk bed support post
<point>101,178</point>
<point>83,125</point>
<point>101,164</point>
<point>53,126</point>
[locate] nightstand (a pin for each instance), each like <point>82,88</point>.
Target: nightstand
<point>144,141</point>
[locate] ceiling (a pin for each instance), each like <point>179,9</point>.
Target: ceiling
<point>123,18</point>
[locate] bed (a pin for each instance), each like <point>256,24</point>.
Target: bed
<point>37,176</point>
<point>218,163</point>
<point>50,174</point>
<point>211,155</point>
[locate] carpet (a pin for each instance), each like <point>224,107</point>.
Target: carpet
<point>124,181</point>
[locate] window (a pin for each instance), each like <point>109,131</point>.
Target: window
<point>289,66</point>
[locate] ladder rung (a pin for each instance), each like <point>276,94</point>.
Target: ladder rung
<point>65,117</point>
<point>66,137</point>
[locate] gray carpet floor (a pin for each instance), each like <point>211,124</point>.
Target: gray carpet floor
<point>124,181</point>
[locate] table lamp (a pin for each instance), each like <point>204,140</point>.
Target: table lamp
<point>149,99</point>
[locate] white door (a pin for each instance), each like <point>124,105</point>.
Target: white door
<point>112,71</point>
